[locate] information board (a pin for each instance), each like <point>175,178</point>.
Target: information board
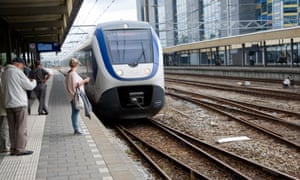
<point>47,47</point>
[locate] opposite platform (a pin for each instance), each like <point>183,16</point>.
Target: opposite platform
<point>58,154</point>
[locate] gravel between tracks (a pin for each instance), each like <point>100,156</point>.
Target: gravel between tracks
<point>210,126</point>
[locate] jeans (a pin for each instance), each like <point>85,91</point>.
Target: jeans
<point>74,117</point>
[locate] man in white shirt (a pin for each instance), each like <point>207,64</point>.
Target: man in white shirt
<point>14,84</point>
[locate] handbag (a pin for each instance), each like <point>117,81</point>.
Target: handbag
<point>78,103</point>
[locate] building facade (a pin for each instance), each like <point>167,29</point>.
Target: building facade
<point>278,13</point>
<point>185,21</point>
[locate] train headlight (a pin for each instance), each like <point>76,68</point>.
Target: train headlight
<point>120,72</point>
<point>147,71</point>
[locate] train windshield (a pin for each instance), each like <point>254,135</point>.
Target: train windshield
<point>130,46</point>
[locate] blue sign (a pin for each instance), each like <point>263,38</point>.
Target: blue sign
<point>47,47</point>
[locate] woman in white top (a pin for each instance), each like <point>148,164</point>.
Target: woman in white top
<point>73,81</point>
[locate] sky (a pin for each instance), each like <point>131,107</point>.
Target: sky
<point>96,11</point>
<point>93,12</point>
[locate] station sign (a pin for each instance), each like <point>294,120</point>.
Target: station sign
<point>47,47</point>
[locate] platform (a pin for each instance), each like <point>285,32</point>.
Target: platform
<point>58,154</point>
<point>266,73</point>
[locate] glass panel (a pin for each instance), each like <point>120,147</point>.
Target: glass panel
<point>129,46</point>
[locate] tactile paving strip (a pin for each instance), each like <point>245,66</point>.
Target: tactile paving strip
<point>25,167</point>
<point>104,171</point>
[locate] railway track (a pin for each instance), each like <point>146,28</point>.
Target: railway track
<point>284,116</point>
<point>240,89</point>
<point>273,126</point>
<point>166,148</point>
<point>289,117</point>
<point>233,78</point>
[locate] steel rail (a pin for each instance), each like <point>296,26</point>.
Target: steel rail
<point>193,172</point>
<point>266,108</point>
<point>266,170</point>
<point>262,92</point>
<point>253,125</point>
<point>161,172</point>
<point>232,78</point>
<point>250,111</point>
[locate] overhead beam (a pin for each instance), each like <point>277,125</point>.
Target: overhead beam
<point>48,20</point>
<point>58,23</point>
<point>40,32</point>
<point>42,39</point>
<point>29,11</point>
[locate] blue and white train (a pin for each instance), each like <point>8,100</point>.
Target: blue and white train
<point>124,61</point>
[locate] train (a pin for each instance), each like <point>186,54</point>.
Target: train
<point>125,64</point>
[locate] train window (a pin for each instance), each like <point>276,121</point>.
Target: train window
<point>88,62</point>
<point>130,46</point>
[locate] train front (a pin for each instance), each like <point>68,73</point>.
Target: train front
<point>134,87</point>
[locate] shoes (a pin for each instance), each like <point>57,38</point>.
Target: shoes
<point>12,152</point>
<point>4,151</point>
<point>77,132</point>
<point>43,113</point>
<point>27,152</point>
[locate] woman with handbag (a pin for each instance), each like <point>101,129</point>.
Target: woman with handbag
<point>74,83</point>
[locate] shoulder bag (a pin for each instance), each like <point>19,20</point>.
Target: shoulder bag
<point>78,100</point>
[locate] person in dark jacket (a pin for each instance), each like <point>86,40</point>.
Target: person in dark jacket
<point>27,71</point>
<point>41,76</point>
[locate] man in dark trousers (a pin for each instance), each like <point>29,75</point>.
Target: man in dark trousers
<point>41,76</point>
<point>27,72</point>
<point>14,86</point>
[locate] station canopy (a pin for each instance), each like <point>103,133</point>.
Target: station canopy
<point>270,37</point>
<point>40,20</point>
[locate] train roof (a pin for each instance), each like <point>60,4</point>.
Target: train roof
<point>124,24</point>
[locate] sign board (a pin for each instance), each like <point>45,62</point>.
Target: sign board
<point>47,47</point>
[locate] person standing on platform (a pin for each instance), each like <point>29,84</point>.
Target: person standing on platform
<point>74,81</point>
<point>4,133</point>
<point>27,71</point>
<point>15,83</point>
<point>41,76</point>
